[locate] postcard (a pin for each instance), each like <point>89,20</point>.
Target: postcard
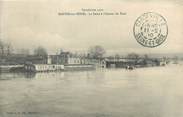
<point>94,58</point>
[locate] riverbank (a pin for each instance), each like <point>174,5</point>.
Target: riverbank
<point>9,68</point>
<point>44,68</point>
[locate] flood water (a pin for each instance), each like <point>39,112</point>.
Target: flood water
<point>143,92</point>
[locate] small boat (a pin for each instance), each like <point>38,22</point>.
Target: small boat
<point>130,67</point>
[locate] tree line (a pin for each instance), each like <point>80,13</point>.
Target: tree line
<point>96,52</point>
<point>6,49</point>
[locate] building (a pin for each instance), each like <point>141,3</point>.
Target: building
<point>65,58</point>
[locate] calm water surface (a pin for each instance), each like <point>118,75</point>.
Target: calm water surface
<point>145,92</point>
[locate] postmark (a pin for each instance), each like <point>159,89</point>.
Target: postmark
<point>150,29</point>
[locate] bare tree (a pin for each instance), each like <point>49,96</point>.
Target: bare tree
<point>9,49</point>
<point>96,51</point>
<point>1,48</point>
<point>133,56</point>
<point>24,51</point>
<point>40,51</point>
<point>175,59</point>
<point>5,48</point>
<point>146,56</point>
<point>117,56</point>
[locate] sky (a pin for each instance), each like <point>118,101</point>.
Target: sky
<point>33,23</point>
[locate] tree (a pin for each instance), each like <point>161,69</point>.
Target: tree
<point>145,59</point>
<point>9,49</point>
<point>117,56</point>
<point>175,59</point>
<point>1,48</point>
<point>96,51</point>
<point>146,56</point>
<point>5,48</point>
<point>24,51</point>
<point>40,51</point>
<point>133,56</point>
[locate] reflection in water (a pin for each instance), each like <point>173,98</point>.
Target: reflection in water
<point>29,75</point>
<point>146,92</point>
<point>8,76</point>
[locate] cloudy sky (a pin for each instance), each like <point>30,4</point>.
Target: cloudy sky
<point>32,23</point>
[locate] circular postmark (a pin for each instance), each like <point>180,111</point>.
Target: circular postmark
<point>150,29</point>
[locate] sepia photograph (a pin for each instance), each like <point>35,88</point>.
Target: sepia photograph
<point>95,58</point>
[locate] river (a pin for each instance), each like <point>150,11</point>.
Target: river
<point>143,92</point>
